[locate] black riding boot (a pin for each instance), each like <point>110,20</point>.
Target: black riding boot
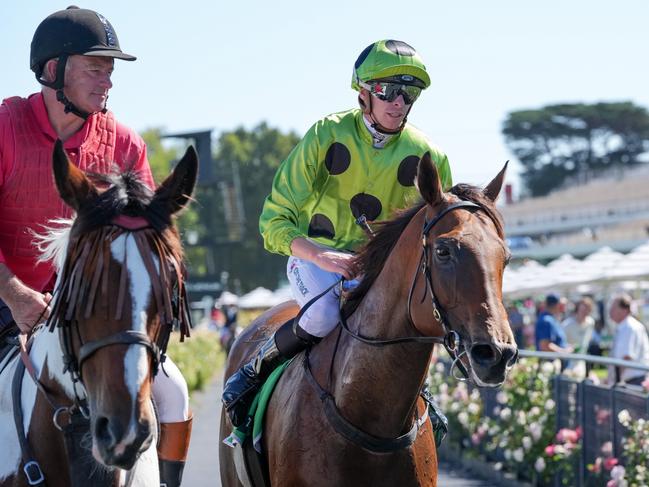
<point>241,387</point>
<point>437,417</point>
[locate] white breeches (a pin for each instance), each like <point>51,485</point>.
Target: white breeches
<point>307,281</point>
<point>170,394</point>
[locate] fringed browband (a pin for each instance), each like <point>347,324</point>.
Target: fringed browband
<point>87,267</point>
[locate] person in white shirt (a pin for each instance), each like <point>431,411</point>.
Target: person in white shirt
<point>630,342</point>
<point>579,327</point>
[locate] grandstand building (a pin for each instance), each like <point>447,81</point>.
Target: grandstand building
<point>611,211</point>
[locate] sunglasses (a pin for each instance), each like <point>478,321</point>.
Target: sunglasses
<point>389,92</point>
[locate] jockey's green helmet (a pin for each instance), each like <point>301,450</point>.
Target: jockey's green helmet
<point>392,60</point>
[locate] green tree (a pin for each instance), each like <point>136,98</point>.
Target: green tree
<point>161,160</point>
<point>255,155</point>
<point>224,218</point>
<point>559,141</point>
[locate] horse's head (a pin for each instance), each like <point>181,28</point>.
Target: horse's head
<point>120,292</point>
<point>466,254</point>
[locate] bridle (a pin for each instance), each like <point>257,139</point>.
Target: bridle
<point>450,339</point>
<point>172,307</point>
<point>71,289</point>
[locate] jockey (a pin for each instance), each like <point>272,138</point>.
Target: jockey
<point>350,168</point>
<point>72,56</point>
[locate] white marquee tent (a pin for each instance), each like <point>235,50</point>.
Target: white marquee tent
<point>603,267</point>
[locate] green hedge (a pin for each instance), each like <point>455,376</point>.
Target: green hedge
<point>199,357</point>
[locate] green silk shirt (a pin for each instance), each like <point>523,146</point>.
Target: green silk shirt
<point>334,175</point>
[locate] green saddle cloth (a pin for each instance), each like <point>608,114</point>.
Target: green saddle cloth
<point>257,412</point>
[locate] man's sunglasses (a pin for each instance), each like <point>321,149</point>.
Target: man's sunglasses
<point>389,92</point>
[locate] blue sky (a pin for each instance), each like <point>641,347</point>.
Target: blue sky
<point>214,64</point>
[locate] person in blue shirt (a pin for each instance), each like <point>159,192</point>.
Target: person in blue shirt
<point>549,334</point>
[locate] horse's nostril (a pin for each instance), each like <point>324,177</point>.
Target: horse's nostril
<point>509,354</point>
<point>107,433</point>
<point>485,354</point>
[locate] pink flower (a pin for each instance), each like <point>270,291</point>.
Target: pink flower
<point>609,463</point>
<point>597,466</point>
<point>549,450</point>
<point>566,435</point>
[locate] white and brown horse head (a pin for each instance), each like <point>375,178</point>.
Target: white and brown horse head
<point>120,290</point>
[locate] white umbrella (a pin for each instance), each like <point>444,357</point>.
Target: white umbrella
<point>227,299</point>
<point>282,295</point>
<point>257,298</point>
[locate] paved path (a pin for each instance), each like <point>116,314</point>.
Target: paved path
<point>202,469</point>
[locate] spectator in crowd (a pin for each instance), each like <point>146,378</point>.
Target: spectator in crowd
<point>579,327</point>
<point>517,321</point>
<point>549,334</point>
<point>630,342</point>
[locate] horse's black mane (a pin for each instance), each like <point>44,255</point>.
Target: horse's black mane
<point>126,194</point>
<point>372,256</point>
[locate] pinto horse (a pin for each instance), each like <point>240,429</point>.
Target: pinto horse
<point>120,290</point>
<point>349,411</point>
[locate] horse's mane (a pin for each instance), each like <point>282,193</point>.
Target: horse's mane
<point>370,260</point>
<point>124,194</point>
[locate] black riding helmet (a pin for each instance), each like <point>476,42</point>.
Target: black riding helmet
<point>67,32</point>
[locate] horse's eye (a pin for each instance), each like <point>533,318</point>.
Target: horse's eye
<point>442,252</point>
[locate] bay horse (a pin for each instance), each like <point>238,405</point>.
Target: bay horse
<point>349,412</point>
<point>120,291</point>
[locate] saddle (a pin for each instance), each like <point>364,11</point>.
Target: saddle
<point>249,460</point>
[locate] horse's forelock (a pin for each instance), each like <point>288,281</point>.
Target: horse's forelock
<point>120,194</point>
<point>468,192</point>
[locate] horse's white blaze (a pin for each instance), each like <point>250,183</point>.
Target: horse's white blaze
<point>10,458</point>
<point>136,363</point>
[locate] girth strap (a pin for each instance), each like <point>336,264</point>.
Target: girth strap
<point>351,433</point>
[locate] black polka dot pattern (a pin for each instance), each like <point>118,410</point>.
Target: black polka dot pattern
<point>400,48</point>
<point>337,159</point>
<point>366,204</point>
<point>321,226</point>
<point>408,171</point>
<point>363,55</point>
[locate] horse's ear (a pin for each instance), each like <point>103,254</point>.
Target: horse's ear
<point>177,189</point>
<point>71,182</point>
<point>428,181</point>
<point>492,190</point>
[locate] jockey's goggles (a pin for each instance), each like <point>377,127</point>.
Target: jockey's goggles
<point>388,91</point>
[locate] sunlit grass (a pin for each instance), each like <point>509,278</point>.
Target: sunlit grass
<point>200,357</point>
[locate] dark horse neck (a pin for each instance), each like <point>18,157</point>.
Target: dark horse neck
<point>376,388</point>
